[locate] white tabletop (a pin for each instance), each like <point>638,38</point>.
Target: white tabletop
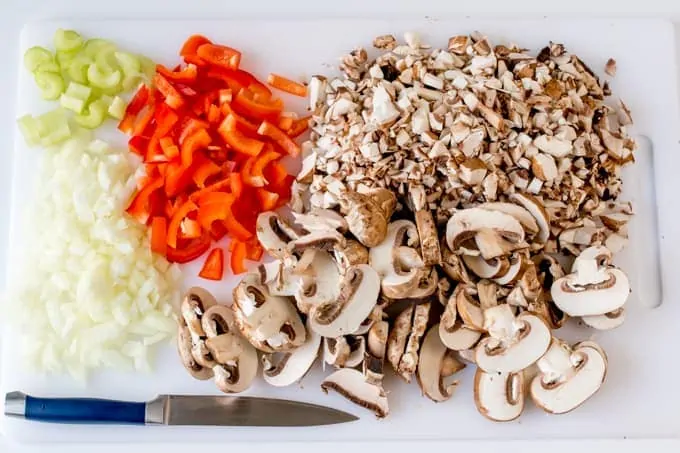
<point>15,13</point>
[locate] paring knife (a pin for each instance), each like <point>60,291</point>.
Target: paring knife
<point>175,410</point>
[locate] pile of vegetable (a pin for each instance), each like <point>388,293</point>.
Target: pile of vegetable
<point>213,139</point>
<point>88,292</point>
<point>87,77</point>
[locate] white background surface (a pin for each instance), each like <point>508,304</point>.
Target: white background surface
<point>15,13</point>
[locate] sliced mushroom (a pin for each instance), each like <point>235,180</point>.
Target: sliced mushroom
<point>409,359</point>
<point>436,363</point>
<point>184,346</point>
<point>453,333</point>
<point>354,386</point>
<point>568,377</point>
<point>350,254</point>
<point>513,272</point>
<point>468,308</point>
<point>322,286</point>
<point>325,240</point>
<point>235,359</point>
<point>376,349</point>
<point>427,229</point>
<point>607,321</point>
<point>486,268</point>
<point>536,208</point>
<point>453,266</point>
<point>193,307</point>
<point>366,215</point>
<point>525,218</point>
<point>499,396</point>
<point>291,366</point>
<point>495,233</point>
<point>270,323</point>
<point>274,234</point>
<point>358,295</point>
<point>514,343</point>
<point>321,220</point>
<point>344,352</point>
<point>594,287</point>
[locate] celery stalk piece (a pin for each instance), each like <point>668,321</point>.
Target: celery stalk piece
<point>67,40</point>
<point>29,129</point>
<point>94,116</point>
<point>53,127</point>
<point>102,79</point>
<point>48,66</point>
<point>77,69</point>
<point>79,91</point>
<point>51,85</point>
<point>117,108</point>
<point>95,46</point>
<point>35,56</point>
<point>72,103</point>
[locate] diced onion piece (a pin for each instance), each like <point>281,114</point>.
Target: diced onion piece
<point>117,108</point>
<point>51,85</point>
<point>67,40</point>
<point>102,79</point>
<point>35,56</point>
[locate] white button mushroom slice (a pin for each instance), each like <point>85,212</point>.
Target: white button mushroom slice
<point>322,286</point>
<point>398,336</point>
<point>427,229</point>
<point>499,396</point>
<point>544,167</point>
<point>468,308</point>
<point>593,288</point>
<point>513,272</point>
<point>425,286</point>
<point>472,171</point>
<point>354,386</point>
<point>270,323</point>
<point>358,295</point>
<point>453,266</point>
<point>486,268</point>
<point>607,321</point>
<point>317,91</point>
<point>525,218</point>
<point>492,244</point>
<point>351,254</point>
<point>344,352</point>
<point>467,355</point>
<point>452,332</point>
<point>409,359</point>
<point>292,366</point>
<point>366,215</point>
<point>435,365</point>
<point>468,223</point>
<point>321,220</point>
<point>317,239</point>
<point>308,168</point>
<point>236,363</point>
<point>537,210</point>
<point>193,307</point>
<point>513,343</point>
<point>184,346</point>
<point>376,345</point>
<point>567,377</point>
<point>274,234</point>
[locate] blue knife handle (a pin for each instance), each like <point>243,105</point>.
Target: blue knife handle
<point>83,410</point>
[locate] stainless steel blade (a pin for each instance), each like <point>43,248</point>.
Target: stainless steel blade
<point>246,411</point>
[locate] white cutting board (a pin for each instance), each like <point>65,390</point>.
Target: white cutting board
<point>639,398</point>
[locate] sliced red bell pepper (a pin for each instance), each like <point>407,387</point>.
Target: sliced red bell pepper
<point>236,184</point>
<point>275,173</point>
<point>143,121</point>
<point>218,231</point>
<point>285,122</point>
<point>159,231</point>
<point>287,85</point>
<point>170,149</point>
<point>195,142</point>
<point>238,256</point>
<point>213,268</point>
<point>143,206</point>
<point>224,95</point>
<point>135,106</point>
<point>244,125</point>
<point>176,221</point>
<point>267,129</point>
<point>172,97</point>
<point>268,200</point>
<point>191,45</point>
<point>245,104</point>
<point>189,250</point>
<point>221,56</point>
<point>238,79</point>
<point>186,75</point>
<point>237,140</point>
<point>254,250</point>
<point>213,114</point>
<point>217,154</point>
<point>165,118</point>
<point>189,229</point>
<point>177,178</point>
<point>154,152</point>
<point>205,170</point>
<point>218,186</point>
<point>252,172</point>
<point>299,127</point>
<point>223,198</point>
<point>138,144</point>
<point>187,126</point>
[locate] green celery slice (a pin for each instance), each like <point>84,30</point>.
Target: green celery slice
<point>65,58</point>
<point>53,127</point>
<point>148,67</point>
<point>35,56</point>
<point>129,63</point>
<point>48,66</point>
<point>106,99</point>
<point>29,129</point>
<point>67,40</point>
<point>94,116</point>
<point>72,103</point>
<point>77,69</point>
<point>117,108</point>
<point>131,82</point>
<point>51,85</point>
<point>79,91</point>
<point>95,46</point>
<point>102,79</point>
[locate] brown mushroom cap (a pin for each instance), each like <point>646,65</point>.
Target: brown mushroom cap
<point>435,364</point>
<point>184,348</point>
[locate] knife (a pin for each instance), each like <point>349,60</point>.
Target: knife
<point>175,410</point>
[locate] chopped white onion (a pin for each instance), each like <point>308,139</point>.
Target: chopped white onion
<point>88,292</point>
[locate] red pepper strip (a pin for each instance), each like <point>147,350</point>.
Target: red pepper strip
<point>190,250</point>
<point>238,256</point>
<point>216,187</point>
<point>142,205</point>
<point>224,95</point>
<point>176,221</point>
<point>211,212</point>
<point>195,60</point>
<point>177,178</point>
<point>218,231</point>
<point>245,104</point>
<point>236,184</point>
<point>235,138</point>
<point>171,95</point>
<point>218,55</point>
<point>247,176</point>
<point>267,199</point>
<point>138,144</point>
<point>242,124</point>
<point>196,141</point>
<point>189,229</point>
<point>252,170</point>
<point>238,79</point>
<point>285,123</point>
<point>287,85</point>
<point>213,268</point>
<point>203,102</point>
<point>185,90</point>
<point>213,115</point>
<point>169,147</point>
<point>159,231</point>
<point>298,127</point>
<point>166,118</point>
<point>217,154</point>
<point>216,197</point>
<point>154,153</point>
<point>284,141</point>
<point>254,250</point>
<point>205,170</point>
<point>185,75</point>
<point>192,44</point>
<point>188,126</point>
<point>143,121</point>
<point>275,173</point>
<point>135,106</point>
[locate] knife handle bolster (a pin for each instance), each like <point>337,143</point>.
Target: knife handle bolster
<point>83,410</point>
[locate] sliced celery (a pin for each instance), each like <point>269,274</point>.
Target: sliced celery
<point>106,99</point>
<point>131,82</point>
<point>101,78</point>
<point>77,69</point>
<point>148,67</point>
<point>65,58</point>
<point>67,40</point>
<point>106,60</point>
<point>53,127</point>
<point>72,103</point>
<point>29,129</point>
<point>48,66</point>
<point>51,85</point>
<point>129,63</point>
<point>94,116</point>
<point>117,108</point>
<point>35,56</point>
<point>79,91</point>
<point>95,46</point>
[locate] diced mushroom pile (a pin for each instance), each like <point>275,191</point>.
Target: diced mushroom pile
<point>442,195</point>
